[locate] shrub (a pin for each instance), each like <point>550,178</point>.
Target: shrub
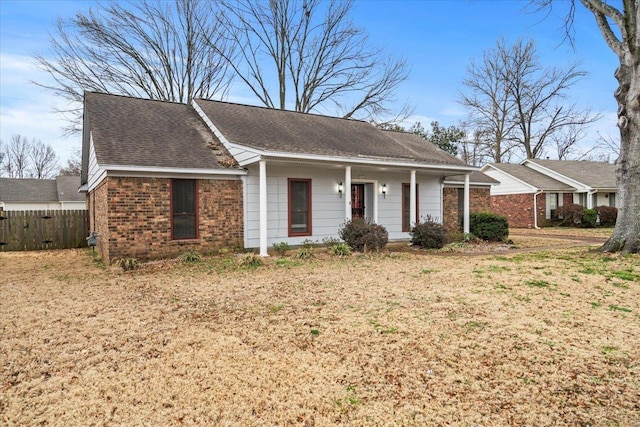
<point>428,234</point>
<point>458,236</point>
<point>607,215</point>
<point>281,248</point>
<point>362,235</point>
<point>571,214</point>
<point>589,218</point>
<point>190,257</point>
<point>489,226</point>
<point>340,249</point>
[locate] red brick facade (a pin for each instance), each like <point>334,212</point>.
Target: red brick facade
<point>518,208</point>
<point>452,198</point>
<point>132,217</point>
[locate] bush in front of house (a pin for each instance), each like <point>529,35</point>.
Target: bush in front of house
<point>589,218</point>
<point>608,215</point>
<point>428,234</point>
<point>489,226</point>
<point>363,236</point>
<point>571,214</point>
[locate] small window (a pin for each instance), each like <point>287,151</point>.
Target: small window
<point>552,201</point>
<point>612,200</point>
<point>406,203</point>
<point>299,207</point>
<point>183,208</point>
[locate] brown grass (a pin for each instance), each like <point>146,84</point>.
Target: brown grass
<point>535,338</point>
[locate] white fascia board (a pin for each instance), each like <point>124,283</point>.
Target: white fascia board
<point>476,184</point>
<point>279,155</point>
<point>210,124</point>
<point>122,170</point>
<point>533,188</point>
<point>579,186</point>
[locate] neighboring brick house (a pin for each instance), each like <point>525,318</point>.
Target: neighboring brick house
<point>453,197</point>
<point>541,186</point>
<point>164,178</point>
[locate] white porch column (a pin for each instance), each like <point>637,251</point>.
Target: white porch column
<point>465,220</point>
<point>263,208</point>
<point>347,193</point>
<point>412,200</point>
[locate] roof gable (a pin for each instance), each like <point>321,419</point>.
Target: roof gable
<point>531,177</point>
<point>281,131</point>
<point>148,133</point>
<point>588,173</point>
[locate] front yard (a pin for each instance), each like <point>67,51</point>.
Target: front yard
<point>539,337</point>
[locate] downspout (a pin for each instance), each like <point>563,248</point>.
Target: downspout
<point>535,209</point>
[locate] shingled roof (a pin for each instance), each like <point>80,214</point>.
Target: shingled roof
<point>531,177</point>
<point>61,189</point>
<point>141,132</point>
<point>593,174</point>
<point>292,132</point>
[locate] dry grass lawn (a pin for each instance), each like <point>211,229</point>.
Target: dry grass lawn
<point>535,338</point>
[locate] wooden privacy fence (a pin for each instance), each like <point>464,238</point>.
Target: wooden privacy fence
<point>37,230</point>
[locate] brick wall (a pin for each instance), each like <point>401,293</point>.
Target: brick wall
<point>479,200</point>
<point>135,214</point>
<point>518,208</point>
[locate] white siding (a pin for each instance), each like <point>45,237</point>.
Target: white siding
<point>327,205</point>
<point>508,184</point>
<point>95,173</point>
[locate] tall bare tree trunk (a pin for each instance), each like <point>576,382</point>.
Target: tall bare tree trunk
<point>626,235</point>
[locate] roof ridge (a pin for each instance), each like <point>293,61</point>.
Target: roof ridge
<point>137,98</point>
<point>278,110</point>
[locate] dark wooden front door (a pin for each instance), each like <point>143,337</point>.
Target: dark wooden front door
<point>357,200</point>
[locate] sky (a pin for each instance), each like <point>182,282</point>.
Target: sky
<point>438,39</point>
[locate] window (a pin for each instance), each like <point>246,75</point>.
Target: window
<point>299,207</point>
<point>183,208</point>
<point>552,205</point>
<point>612,200</point>
<point>406,203</point>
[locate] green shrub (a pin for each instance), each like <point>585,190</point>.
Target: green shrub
<point>489,226</point>
<point>608,215</point>
<point>454,236</point>
<point>281,248</point>
<point>428,234</point>
<point>340,249</point>
<point>589,218</point>
<point>363,236</point>
<point>190,257</point>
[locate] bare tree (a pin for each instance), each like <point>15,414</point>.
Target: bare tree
<point>519,105</point>
<point>620,28</point>
<point>306,55</point>
<point>43,160</point>
<point>539,95</point>
<point>16,164</point>
<point>151,48</point>
<point>489,104</point>
<point>74,164</point>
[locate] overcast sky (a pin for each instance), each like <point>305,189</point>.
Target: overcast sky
<point>438,39</point>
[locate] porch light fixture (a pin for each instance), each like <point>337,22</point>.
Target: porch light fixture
<point>384,190</point>
<point>340,188</point>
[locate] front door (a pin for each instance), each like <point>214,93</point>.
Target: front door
<point>357,201</point>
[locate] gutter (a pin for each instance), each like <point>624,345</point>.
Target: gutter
<point>535,209</point>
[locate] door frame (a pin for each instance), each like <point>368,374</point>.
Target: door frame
<point>375,195</point>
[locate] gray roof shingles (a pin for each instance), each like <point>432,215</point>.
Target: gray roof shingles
<point>147,133</point>
<point>61,189</point>
<point>531,177</point>
<point>593,174</point>
<point>291,132</point>
<point>28,190</point>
